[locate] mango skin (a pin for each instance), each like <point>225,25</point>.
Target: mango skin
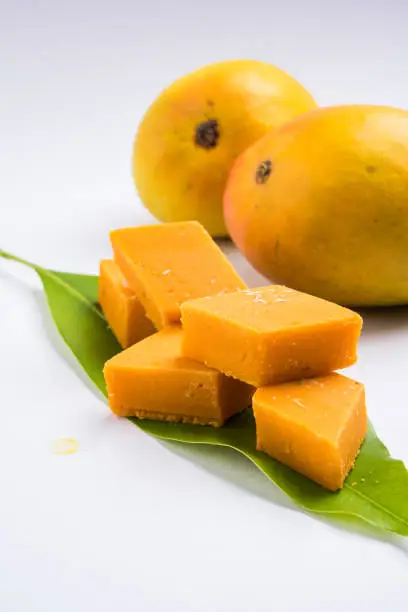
<point>180,180</point>
<point>330,215</point>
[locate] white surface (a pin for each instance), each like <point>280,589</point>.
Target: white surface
<point>128,523</point>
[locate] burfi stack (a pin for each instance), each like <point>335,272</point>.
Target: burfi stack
<point>219,340</point>
<point>162,267</point>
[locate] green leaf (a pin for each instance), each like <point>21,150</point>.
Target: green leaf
<point>375,492</point>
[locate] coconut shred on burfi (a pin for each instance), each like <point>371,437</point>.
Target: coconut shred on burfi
<point>167,264</point>
<point>315,426</point>
<point>123,311</point>
<point>270,335</point>
<point>153,380</point>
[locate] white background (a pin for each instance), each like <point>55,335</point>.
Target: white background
<point>128,523</point>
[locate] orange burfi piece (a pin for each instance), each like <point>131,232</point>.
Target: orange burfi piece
<point>123,311</point>
<point>167,264</point>
<point>153,380</point>
<point>315,426</point>
<point>270,335</point>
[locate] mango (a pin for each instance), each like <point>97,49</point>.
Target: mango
<point>193,132</point>
<point>321,204</point>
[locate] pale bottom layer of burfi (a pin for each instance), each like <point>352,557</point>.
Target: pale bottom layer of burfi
<point>176,418</point>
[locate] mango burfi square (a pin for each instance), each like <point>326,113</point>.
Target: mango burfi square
<point>167,264</point>
<point>123,311</point>
<point>315,426</point>
<point>152,380</point>
<point>270,335</point>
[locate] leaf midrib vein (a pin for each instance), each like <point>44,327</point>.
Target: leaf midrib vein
<point>70,290</point>
<point>377,505</point>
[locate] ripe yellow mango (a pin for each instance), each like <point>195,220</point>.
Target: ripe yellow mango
<point>191,135</point>
<point>321,204</point>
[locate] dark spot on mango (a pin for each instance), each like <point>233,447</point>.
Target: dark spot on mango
<point>210,102</point>
<point>207,134</point>
<point>371,169</point>
<point>263,171</point>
